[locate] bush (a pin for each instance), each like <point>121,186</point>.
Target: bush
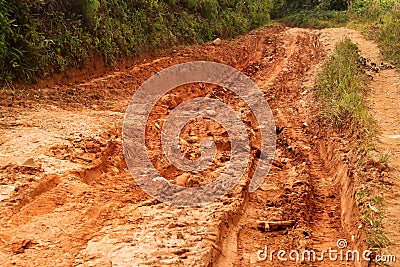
<point>39,37</point>
<point>316,19</point>
<point>283,8</point>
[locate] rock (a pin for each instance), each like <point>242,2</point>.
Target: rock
<point>6,191</point>
<point>211,113</point>
<point>89,145</point>
<point>180,251</point>
<point>19,247</point>
<point>170,261</point>
<point>181,180</point>
<point>86,157</point>
<point>29,163</point>
<point>217,41</point>
<point>194,139</point>
<point>159,179</point>
<point>274,226</point>
<point>179,235</point>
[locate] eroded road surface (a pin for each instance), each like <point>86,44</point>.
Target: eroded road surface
<point>68,199</point>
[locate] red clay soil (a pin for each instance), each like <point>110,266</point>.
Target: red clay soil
<point>69,200</point>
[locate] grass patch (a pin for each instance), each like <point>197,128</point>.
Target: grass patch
<point>385,158</point>
<point>379,20</point>
<point>341,87</point>
<point>316,19</point>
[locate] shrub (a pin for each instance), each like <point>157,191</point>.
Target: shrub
<point>40,37</point>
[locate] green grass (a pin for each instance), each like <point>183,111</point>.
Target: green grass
<point>341,87</point>
<point>385,158</point>
<point>372,215</point>
<point>380,21</point>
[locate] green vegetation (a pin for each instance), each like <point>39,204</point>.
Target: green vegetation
<point>311,13</point>
<point>372,215</point>
<point>341,86</point>
<point>38,38</point>
<point>385,158</point>
<point>380,20</point>
<point>316,19</point>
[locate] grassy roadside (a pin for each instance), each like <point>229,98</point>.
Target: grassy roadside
<point>340,88</point>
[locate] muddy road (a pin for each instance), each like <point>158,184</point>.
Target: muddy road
<point>68,199</point>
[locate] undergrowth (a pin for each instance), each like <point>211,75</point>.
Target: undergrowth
<point>38,38</point>
<point>316,19</point>
<point>372,214</point>
<point>379,20</point>
<point>311,13</point>
<point>341,87</point>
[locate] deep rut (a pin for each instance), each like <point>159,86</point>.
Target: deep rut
<point>301,185</point>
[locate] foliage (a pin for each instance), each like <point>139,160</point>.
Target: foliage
<point>381,20</point>
<point>311,13</point>
<point>289,7</point>
<point>372,215</point>
<point>39,37</point>
<point>316,19</point>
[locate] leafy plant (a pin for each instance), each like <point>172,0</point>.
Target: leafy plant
<point>40,37</point>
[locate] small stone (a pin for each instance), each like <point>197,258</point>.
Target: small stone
<point>194,139</point>
<point>181,180</point>
<point>217,41</point>
<point>29,163</point>
<point>6,191</point>
<point>170,261</point>
<point>183,142</point>
<point>181,251</point>
<point>89,145</point>
<point>211,112</point>
<point>160,179</point>
<point>179,236</point>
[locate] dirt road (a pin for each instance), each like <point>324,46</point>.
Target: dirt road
<point>68,199</point>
